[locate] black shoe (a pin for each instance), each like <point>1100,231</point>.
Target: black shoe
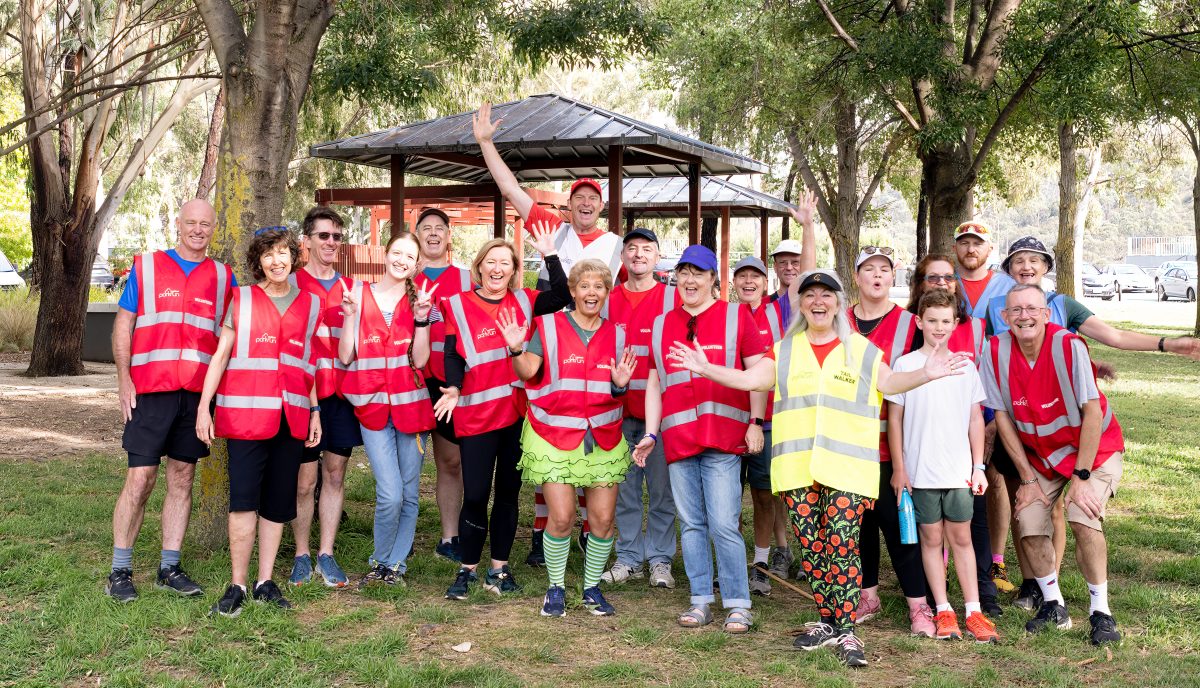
<point>120,586</point>
<point>500,582</point>
<point>1104,629</point>
<point>583,540</point>
<point>270,593</point>
<point>1049,614</point>
<point>537,556</point>
<point>990,607</point>
<point>1029,596</point>
<point>230,603</point>
<point>850,649</point>
<point>460,589</point>
<point>174,579</point>
<point>449,550</point>
<point>819,634</point>
<point>380,574</point>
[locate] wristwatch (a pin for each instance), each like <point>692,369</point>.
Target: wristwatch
<point>1082,473</point>
<point>758,421</point>
<point>516,353</point>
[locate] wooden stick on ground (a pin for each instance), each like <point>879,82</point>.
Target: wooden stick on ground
<point>788,584</point>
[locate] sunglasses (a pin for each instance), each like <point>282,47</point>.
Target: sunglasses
<point>972,228</point>
<point>326,236</point>
<point>934,279</point>
<point>881,250</point>
<point>691,328</point>
<point>263,230</point>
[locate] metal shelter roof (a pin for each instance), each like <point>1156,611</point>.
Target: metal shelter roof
<point>668,197</point>
<point>542,138</point>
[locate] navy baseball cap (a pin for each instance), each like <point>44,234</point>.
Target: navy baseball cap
<point>699,256</point>
<point>1028,243</point>
<point>820,278</point>
<point>640,233</point>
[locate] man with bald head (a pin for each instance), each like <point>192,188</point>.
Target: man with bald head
<point>165,334</point>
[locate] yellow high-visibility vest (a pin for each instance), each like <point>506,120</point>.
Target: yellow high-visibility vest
<point>826,422</point>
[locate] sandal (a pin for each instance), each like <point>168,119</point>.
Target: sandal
<point>738,621</point>
<point>697,616</point>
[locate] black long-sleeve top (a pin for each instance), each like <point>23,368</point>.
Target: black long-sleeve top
<point>548,301</point>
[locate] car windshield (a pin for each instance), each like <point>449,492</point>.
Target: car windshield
<point>1129,270</point>
<point>1191,272</point>
<point>6,266</point>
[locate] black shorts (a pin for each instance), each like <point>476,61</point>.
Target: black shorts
<point>262,475</point>
<point>756,468</point>
<point>445,428</point>
<point>340,431</point>
<point>163,424</point>
<point>1002,462</point>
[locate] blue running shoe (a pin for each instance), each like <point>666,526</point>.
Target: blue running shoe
<point>555,602</point>
<point>594,600</point>
<point>301,570</point>
<point>449,550</point>
<point>333,574</point>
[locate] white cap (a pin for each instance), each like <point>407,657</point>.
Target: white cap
<point>869,252</point>
<point>787,246</point>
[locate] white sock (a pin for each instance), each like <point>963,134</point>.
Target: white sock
<point>447,540</point>
<point>761,554</point>
<point>972,607</point>
<point>1099,597</point>
<point>944,608</point>
<point>242,587</point>
<point>1050,591</point>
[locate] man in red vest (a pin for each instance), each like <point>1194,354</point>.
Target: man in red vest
<point>164,336</point>
<point>1058,429</point>
<point>323,236</point>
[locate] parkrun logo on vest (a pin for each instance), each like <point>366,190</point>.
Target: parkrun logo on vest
<point>845,376</point>
<point>168,293</point>
<point>1021,402</point>
<point>486,332</point>
<point>265,339</point>
<point>573,358</point>
<point>373,339</point>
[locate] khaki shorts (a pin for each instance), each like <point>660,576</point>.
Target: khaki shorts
<point>1035,519</point>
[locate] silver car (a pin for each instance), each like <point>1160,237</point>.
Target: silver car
<point>1130,278</point>
<point>1178,283</point>
<point>1096,283</point>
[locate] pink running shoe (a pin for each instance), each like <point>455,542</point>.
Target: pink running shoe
<point>868,607</point>
<point>922,621</point>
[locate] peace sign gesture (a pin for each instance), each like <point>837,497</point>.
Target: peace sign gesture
<point>512,331</point>
<point>349,304</point>
<point>424,303</point>
<point>482,125</point>
<point>542,235</point>
<point>623,371</point>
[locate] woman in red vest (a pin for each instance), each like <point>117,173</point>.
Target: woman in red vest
<point>705,430</point>
<point>384,343</point>
<point>262,377</point>
<point>575,370</point>
<point>487,401</point>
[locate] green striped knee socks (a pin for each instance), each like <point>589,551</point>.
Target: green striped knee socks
<point>594,561</point>
<point>556,550</point>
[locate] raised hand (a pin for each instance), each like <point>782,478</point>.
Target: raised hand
<point>349,304</point>
<point>642,451</point>
<point>482,125</point>
<point>939,365</point>
<point>689,357</point>
<point>424,303</point>
<point>542,237</point>
<point>444,408</point>
<point>512,331</point>
<point>623,371</point>
<point>806,206</point>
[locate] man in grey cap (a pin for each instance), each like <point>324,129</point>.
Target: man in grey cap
<point>792,258</point>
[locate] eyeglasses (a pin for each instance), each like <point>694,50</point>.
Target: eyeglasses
<point>691,328</point>
<point>263,230</point>
<point>881,250</point>
<point>1016,311</point>
<point>326,236</point>
<point>934,279</point>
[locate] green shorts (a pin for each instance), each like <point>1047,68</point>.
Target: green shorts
<point>938,504</point>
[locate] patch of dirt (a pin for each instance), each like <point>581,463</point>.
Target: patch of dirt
<point>52,417</point>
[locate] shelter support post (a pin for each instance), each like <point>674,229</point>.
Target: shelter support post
<point>498,215</point>
<point>762,236</point>
<point>724,276</point>
<point>399,163</point>
<point>616,160</point>
<point>693,203</point>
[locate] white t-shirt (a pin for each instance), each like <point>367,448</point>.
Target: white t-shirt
<point>605,248</point>
<point>937,417</point>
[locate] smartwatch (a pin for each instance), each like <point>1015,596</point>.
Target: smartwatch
<point>758,421</point>
<point>516,353</point>
<point>980,467</point>
<point>1082,473</point>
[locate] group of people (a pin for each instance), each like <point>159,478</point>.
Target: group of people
<point>636,403</point>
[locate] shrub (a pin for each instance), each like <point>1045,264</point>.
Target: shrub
<point>18,317</point>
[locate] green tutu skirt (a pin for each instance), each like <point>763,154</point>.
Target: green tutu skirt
<point>542,462</point>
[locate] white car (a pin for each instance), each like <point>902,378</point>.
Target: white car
<point>1096,283</point>
<point>9,279</point>
<point>1130,278</point>
<point>1179,283</point>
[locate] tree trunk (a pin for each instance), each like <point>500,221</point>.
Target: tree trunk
<point>66,252</point>
<point>789,188</point>
<point>208,171</point>
<point>922,218</point>
<point>1068,206</point>
<point>1196,212</point>
<point>845,229</point>
<point>951,193</point>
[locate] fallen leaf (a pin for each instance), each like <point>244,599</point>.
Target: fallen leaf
<point>1086,662</point>
<point>1108,651</point>
<point>462,647</point>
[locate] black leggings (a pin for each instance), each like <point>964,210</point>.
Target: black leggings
<point>494,453</point>
<point>906,559</point>
<point>982,543</point>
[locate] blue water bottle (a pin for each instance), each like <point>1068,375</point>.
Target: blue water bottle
<point>908,520</point>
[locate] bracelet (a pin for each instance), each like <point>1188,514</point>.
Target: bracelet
<point>980,467</point>
<point>1029,482</point>
<point>1161,342</point>
<point>651,436</point>
<point>420,323</point>
<point>314,409</point>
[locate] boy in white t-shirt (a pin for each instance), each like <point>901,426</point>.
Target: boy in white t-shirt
<point>936,430</point>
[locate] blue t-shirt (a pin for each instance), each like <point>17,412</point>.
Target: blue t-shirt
<point>434,273</point>
<point>129,297</point>
<point>328,283</point>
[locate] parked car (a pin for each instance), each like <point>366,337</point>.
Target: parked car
<point>1179,283</point>
<point>1184,263</point>
<point>1130,278</point>
<point>1096,283</point>
<point>9,278</point>
<point>102,276</point>
<point>664,270</point>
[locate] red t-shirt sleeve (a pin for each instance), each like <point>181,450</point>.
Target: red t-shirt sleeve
<point>751,342</point>
<point>539,214</point>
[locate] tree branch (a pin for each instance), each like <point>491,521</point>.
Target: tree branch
<point>224,30</point>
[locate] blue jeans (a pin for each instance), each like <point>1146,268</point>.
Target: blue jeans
<point>396,463</point>
<point>708,496</point>
<point>657,544</point>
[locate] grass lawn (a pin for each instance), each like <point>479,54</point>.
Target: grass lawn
<point>58,628</point>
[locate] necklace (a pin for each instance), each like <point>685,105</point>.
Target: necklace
<point>859,322</point>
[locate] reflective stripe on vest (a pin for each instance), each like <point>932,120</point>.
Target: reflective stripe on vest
<point>552,365</point>
<point>773,322</point>
<point>473,356</point>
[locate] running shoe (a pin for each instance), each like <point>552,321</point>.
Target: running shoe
<point>991,607</point>
<point>449,550</point>
<point>537,556</point>
<point>500,581</point>
<point>302,570</point>
<point>120,586</point>
<point>760,582</point>
<point>270,593</point>
<point>868,608</point>
<point>981,628</point>
<point>1051,613</point>
<point>780,562</point>
<point>947,626</point>
<point>921,622</point>
<point>174,579</point>
<point>1104,629</point>
<point>555,602</point>
<point>660,575</point>
<point>594,600</point>
<point>1029,596</point>
<point>999,574</point>
<point>850,649</point>
<point>621,572</point>
<point>332,574</point>
<point>819,634</point>
<point>380,574</point>
<point>231,602</point>
<point>460,589</point>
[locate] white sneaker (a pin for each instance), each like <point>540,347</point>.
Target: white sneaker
<point>660,575</point>
<point>620,573</point>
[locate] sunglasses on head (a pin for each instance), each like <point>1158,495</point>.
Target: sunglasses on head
<point>881,250</point>
<point>325,236</point>
<point>691,328</point>
<point>971,228</point>
<point>263,230</point>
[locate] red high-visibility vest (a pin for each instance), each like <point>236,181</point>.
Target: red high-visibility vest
<point>329,369</point>
<point>272,367</point>
<point>968,338</point>
<point>637,323</point>
<point>1042,404</point>
<point>770,326</point>
<point>178,322</point>
<point>492,396</point>
<point>454,280</point>
<point>699,414</point>
<point>573,391</point>
<point>893,335</point>
<point>380,383</point>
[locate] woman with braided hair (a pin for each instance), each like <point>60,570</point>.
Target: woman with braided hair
<point>384,342</point>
